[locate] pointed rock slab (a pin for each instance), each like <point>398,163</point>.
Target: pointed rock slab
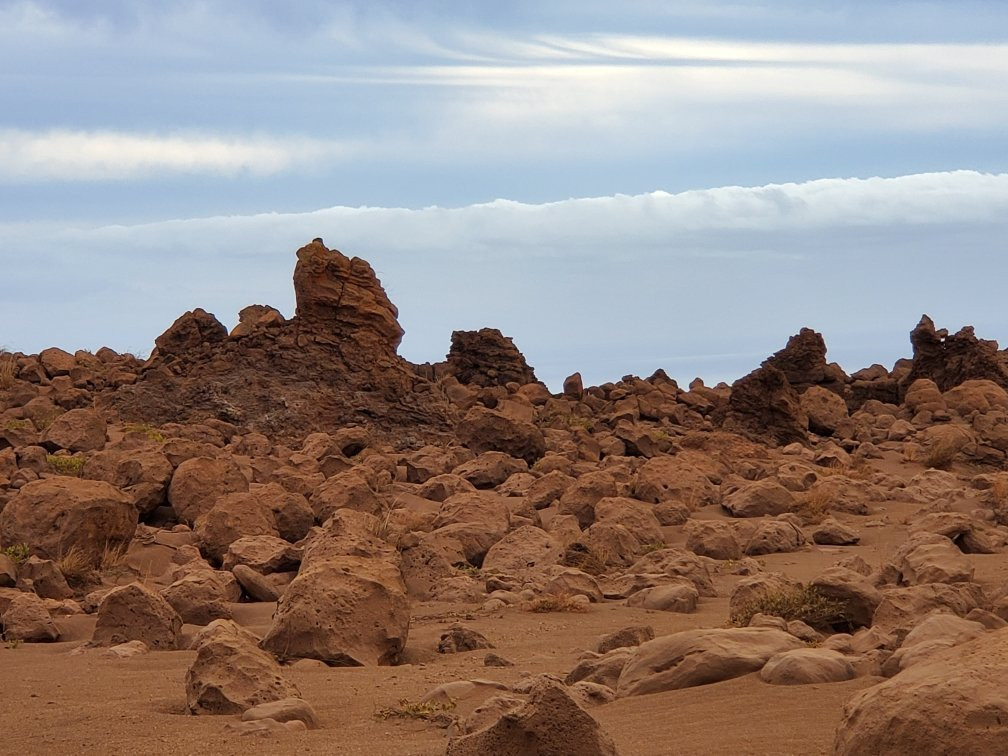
<point>700,657</point>
<point>952,359</point>
<point>346,611</point>
<point>763,405</point>
<point>954,702</point>
<point>550,723</point>
<point>341,299</point>
<point>231,674</point>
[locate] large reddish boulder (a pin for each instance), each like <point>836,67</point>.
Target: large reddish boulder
<point>190,332</point>
<point>200,481</point>
<point>135,612</point>
<point>803,362</point>
<point>484,430</point>
<point>56,515</point>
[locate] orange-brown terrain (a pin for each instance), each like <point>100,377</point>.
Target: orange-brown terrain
<point>289,539</point>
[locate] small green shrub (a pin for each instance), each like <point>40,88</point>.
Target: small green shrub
<point>18,552</point>
<point>803,603</point>
<point>16,425</point>
<point>65,465</point>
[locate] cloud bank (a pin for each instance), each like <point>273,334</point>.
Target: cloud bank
<point>701,282</point>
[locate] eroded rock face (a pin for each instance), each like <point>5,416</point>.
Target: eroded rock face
<point>340,299</point>
<point>803,362</point>
<point>951,359</point>
<point>190,332</point>
<point>487,358</point>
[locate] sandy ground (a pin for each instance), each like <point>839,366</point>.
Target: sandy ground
<point>59,702</point>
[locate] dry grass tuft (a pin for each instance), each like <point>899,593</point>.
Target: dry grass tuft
<point>147,429</point>
<point>941,453</point>
<point>815,505</point>
<point>562,602</point>
<point>803,603</point>
<point>8,369</point>
<point>436,712</point>
<point>112,557</point>
<point>75,565</point>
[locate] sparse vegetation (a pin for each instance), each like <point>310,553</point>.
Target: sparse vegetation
<point>65,465</point>
<point>803,603</point>
<point>436,712</point>
<point>18,552</point>
<point>16,425</point>
<point>13,644</point>
<point>815,505</point>
<point>147,429</point>
<point>8,369</point>
<point>112,557</point>
<point>74,564</point>
<point>467,569</point>
<point>561,602</point>
<point>940,453</point>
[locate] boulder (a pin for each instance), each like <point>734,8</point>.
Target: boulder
<point>233,516</point>
<point>806,666</point>
<point>56,515</point>
<point>339,299</point>
<point>930,558</point>
<point>580,499</point>
<point>522,549</point>
<point>700,657</point>
<point>134,612</point>
<point>902,609</point>
<point>284,710</point>
<point>760,498</point>
<point>830,532</point>
<point>79,430</point>
<point>854,593</point>
<point>550,722</point>
<point>202,596</point>
<point>483,430</point>
<point>715,539</point>
<point>773,537</point>
<point>198,483</point>
<point>142,475</point>
<point>27,619</point>
<point>680,595</point>
<point>231,674</point>
<point>457,639</point>
<point>803,362</point>
<point>953,702</point>
<point>826,411</point>
<point>350,489</point>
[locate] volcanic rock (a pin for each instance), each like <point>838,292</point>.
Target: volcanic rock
<point>764,405</point>
<point>487,358</point>
<point>134,612</point>
<point>951,359</point>
<point>27,619</point>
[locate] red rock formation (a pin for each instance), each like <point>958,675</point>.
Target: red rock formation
<point>950,360</point>
<point>487,358</point>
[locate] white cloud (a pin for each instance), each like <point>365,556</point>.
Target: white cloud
<point>697,282</point>
<point>69,155</point>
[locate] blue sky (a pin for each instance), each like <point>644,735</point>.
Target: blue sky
<point>620,187</point>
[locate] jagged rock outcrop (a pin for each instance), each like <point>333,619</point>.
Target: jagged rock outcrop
<point>333,364</point>
<point>951,359</point>
<point>487,358</point>
<point>803,362</point>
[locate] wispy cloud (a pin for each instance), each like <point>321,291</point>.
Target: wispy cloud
<point>67,155</point>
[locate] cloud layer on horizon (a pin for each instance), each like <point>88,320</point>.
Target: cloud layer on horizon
<point>702,282</point>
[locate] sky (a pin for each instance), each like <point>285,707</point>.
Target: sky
<point>619,187</point>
